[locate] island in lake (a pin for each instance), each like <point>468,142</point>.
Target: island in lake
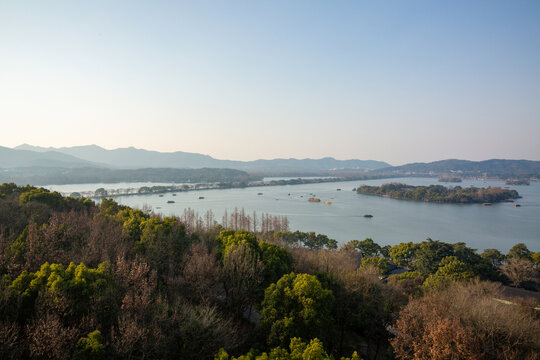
<point>517,182</point>
<point>440,194</point>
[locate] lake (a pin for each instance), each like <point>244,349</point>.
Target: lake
<point>498,226</point>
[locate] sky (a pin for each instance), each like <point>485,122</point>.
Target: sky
<point>397,81</point>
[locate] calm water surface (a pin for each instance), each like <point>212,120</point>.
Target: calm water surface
<point>499,226</point>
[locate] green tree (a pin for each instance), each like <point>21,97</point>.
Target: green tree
<point>403,254</point>
<point>52,199</point>
<point>132,221</point>
<point>299,350</point>
<point>494,256</point>
<point>385,251</point>
<point>466,254</point>
<point>77,288</point>
<point>365,247</point>
<point>90,347</point>
<point>519,251</point>
<point>430,254</point>
<point>229,239</point>
<point>297,305</point>
<point>450,269</point>
<point>109,207</point>
<point>315,241</point>
<point>277,261</point>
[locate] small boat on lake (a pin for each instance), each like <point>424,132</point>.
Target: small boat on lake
<point>314,199</point>
<point>487,204</point>
<point>201,197</point>
<point>160,195</point>
<point>173,194</point>
<point>368,215</point>
<point>328,203</point>
<point>338,189</point>
<point>517,205</point>
<point>259,193</point>
<point>170,202</point>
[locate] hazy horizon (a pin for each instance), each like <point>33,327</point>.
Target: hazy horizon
<point>52,148</point>
<point>393,81</point>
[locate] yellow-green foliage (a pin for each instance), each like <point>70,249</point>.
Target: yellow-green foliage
<point>109,207</point>
<point>402,254</point>
<point>409,275</point>
<point>377,262</point>
<point>17,248</point>
<point>297,305</point>
<point>536,259</point>
<point>41,195</point>
<point>90,347</point>
<point>450,269</point>
<point>53,200</point>
<point>299,350</point>
<point>131,222</point>
<point>75,282</point>
<point>228,239</point>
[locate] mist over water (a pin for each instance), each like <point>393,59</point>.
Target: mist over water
<point>499,226</point>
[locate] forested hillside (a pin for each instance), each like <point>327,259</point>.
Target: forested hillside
<point>81,280</point>
<point>493,168</point>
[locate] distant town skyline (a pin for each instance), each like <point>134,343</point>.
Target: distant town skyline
<point>395,81</point>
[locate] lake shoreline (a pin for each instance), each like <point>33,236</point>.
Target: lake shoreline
<point>216,186</point>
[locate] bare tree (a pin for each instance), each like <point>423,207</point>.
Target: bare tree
<point>201,273</point>
<point>209,220</point>
<point>10,342</point>
<point>519,271</point>
<point>254,221</point>
<point>225,220</point>
<point>50,339</point>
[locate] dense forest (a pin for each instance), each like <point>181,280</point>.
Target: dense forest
<point>82,280</point>
<point>440,194</point>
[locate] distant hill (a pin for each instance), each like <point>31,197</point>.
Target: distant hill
<point>328,163</point>
<point>58,176</point>
<point>132,158</point>
<point>493,167</point>
<point>10,158</point>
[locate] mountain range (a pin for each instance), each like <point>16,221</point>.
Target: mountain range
<point>33,164</point>
<point>132,158</point>
<point>493,167</point>
<point>14,158</point>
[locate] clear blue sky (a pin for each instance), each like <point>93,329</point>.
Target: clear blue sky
<point>399,81</point>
